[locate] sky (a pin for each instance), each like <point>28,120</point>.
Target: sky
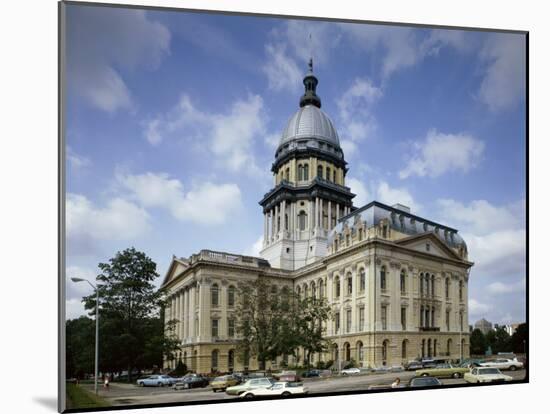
<point>173,118</point>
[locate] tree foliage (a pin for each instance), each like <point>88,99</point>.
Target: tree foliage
<point>499,340</point>
<point>519,340</point>
<point>478,343</point>
<point>131,329</point>
<point>272,323</point>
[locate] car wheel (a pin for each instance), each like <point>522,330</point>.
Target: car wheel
<point>425,375</point>
<point>160,384</point>
<point>141,384</point>
<point>344,374</point>
<point>285,394</point>
<point>456,375</point>
<point>249,396</point>
<point>186,386</point>
<point>513,368</point>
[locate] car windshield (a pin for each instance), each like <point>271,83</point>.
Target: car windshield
<point>424,381</point>
<point>220,379</point>
<point>488,371</point>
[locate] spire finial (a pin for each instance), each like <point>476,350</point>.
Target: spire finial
<point>310,82</point>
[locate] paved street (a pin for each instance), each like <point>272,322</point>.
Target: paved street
<point>125,394</point>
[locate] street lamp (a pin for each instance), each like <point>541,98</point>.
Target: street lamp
<point>77,280</point>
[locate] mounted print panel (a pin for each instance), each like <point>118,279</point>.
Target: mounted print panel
<point>266,207</point>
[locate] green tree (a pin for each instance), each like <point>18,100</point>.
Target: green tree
<point>478,342</point>
<point>499,340</point>
<point>80,347</point>
<point>131,328</point>
<point>519,340</point>
<point>308,326</point>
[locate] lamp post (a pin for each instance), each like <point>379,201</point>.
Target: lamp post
<point>76,280</point>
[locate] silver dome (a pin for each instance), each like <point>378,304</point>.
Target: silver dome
<point>310,122</point>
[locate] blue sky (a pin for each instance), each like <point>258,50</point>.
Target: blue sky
<point>173,119</point>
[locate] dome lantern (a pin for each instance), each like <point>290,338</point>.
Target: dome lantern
<point>310,83</point>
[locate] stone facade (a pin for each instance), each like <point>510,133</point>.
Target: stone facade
<point>397,283</point>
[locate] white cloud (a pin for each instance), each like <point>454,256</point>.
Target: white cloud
<point>389,195</point>
<point>77,161</point>
<point>503,288</point>
<point>440,153</point>
<point>481,217</point>
<point>503,84</point>
<point>354,108</point>
<point>477,308</point>
<point>74,308</point>
<point>104,41</point>
<point>205,204</point>
<point>230,137</point>
<point>282,70</point>
<point>118,220</point>
<point>357,187</point>
<point>255,248</point>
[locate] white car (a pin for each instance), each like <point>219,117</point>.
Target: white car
<point>502,363</point>
<point>485,374</point>
<point>283,389</point>
<point>350,371</point>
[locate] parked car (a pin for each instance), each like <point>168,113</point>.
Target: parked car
<point>350,371</point>
<point>414,365</point>
<point>192,381</point>
<point>249,385</point>
<point>417,382</point>
<point>483,374</point>
<point>311,373</point>
<point>221,383</point>
<point>428,363</point>
<point>282,388</point>
<point>290,376</point>
<point>156,381</point>
<point>502,363</point>
<point>442,371</point>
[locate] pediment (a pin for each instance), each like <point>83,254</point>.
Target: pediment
<point>177,266</point>
<point>428,243</point>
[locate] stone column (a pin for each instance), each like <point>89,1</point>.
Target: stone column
<point>283,214</point>
<point>310,215</point>
<point>265,228</point>
<point>329,215</point>
<point>204,311</point>
<point>178,307</point>
<point>337,211</point>
<point>222,327</point>
<point>321,224</point>
<point>191,314</point>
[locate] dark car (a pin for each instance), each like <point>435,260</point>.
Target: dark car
<point>414,365</point>
<point>417,382</point>
<point>195,381</point>
<point>311,373</point>
<point>429,363</point>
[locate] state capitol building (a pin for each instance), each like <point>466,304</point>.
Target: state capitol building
<point>397,283</point>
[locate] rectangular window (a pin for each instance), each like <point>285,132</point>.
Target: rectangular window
<point>403,318</point>
<point>231,328</point>
<point>461,321</point>
<point>337,322</point>
<point>214,328</point>
<point>348,321</point>
<point>384,317</point>
<point>448,320</point>
<point>361,318</point>
<point>350,286</point>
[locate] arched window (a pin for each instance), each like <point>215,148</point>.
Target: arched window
<point>447,283</point>
<point>449,346</point>
<point>302,220</point>
<point>337,287</point>
<point>320,171</point>
<point>435,347</point>
<point>360,351</point>
<point>328,174</point>
<point>298,290</point>
<point>306,172</point>
<point>287,174</point>
<point>460,288</point>
<point>433,285</point>
<point>300,172</point>
<point>334,175</point>
<point>383,278</point>
<point>423,350</point>
<point>231,359</point>
<point>404,349</point>
<point>214,295</point>
<point>349,281</point>
<point>429,348</point>
<point>421,284</point>
<point>321,290</point>
<point>362,280</point>
<point>335,354</point>
<point>313,290</point>
<point>347,350</point>
<point>403,281</point>
<point>305,291</point>
<point>385,345</point>
<point>214,360</point>
<point>231,296</point>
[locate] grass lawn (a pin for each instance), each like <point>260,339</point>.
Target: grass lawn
<point>78,397</point>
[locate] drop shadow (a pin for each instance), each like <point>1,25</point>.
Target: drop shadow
<point>48,402</point>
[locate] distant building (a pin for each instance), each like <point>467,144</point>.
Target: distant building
<point>511,328</point>
<point>484,326</point>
